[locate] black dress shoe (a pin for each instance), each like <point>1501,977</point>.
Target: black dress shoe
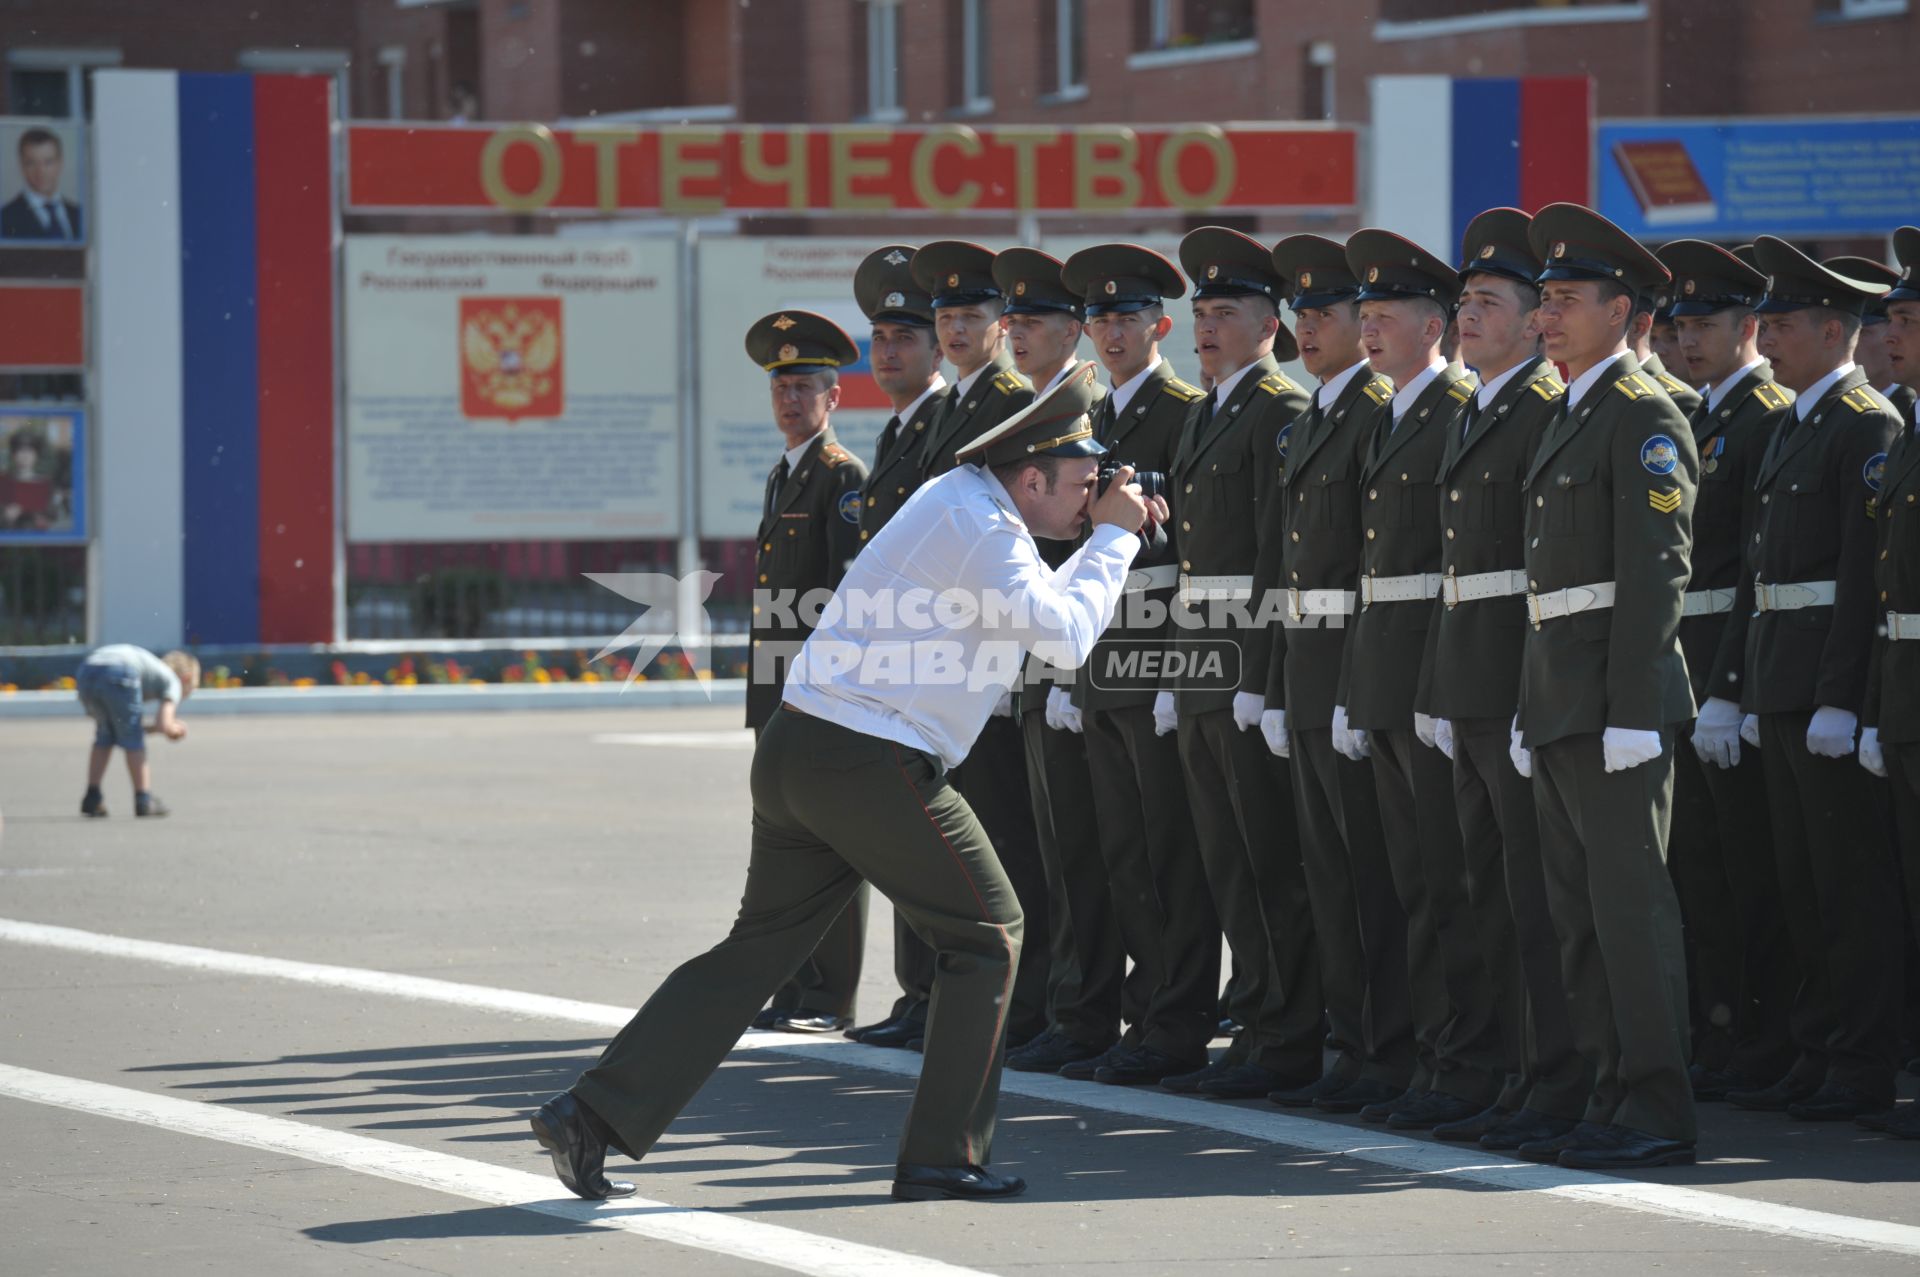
<point>1905,1123</point>
<point>1884,1120</point>
<point>1775,1098</point>
<point>1528,1126</point>
<point>1142,1066</point>
<point>1381,1110</point>
<point>766,1018</point>
<point>1362,1092</point>
<point>1468,1130</point>
<point>969,1183</point>
<point>1583,1135</point>
<point>1297,1097</point>
<point>576,1139</point>
<point>1431,1110</point>
<point>859,1031</point>
<point>1622,1148</point>
<point>1048,1052</point>
<point>895,1033</point>
<point>1713,1086</point>
<point>1243,1082</point>
<point>813,1022</point>
<point>1083,1070</point>
<point>1189,1083</point>
<point>1835,1102</point>
<point>1227,1028</point>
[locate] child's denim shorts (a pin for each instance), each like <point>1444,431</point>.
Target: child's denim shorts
<point>111,694</point>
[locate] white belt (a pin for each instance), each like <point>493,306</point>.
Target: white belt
<point>1793,596</point>
<point>1483,585</point>
<point>1305,603</point>
<point>1706,602</point>
<point>1208,588</point>
<point>1399,589</point>
<point>1575,598</point>
<point>1141,579</point>
<point>1903,627</point>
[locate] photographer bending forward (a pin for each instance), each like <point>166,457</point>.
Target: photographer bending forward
<point>849,783</point>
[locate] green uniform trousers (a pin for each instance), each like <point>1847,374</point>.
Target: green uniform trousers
<point>830,807</point>
<point>1603,843</point>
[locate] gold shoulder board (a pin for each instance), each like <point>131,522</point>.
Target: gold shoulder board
<point>1007,383</point>
<point>1859,400</point>
<point>1673,384</point>
<point>1183,392</point>
<point>1549,388</point>
<point>1380,390</point>
<point>1460,391</point>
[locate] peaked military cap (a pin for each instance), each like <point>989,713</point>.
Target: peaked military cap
<point>1906,247</point>
<point>1225,263</point>
<point>1496,243</point>
<point>1030,281</point>
<point>799,341</point>
<point>1795,281</point>
<point>1707,278</point>
<point>1315,270</point>
<point>885,289</point>
<point>1574,242</point>
<point>1746,254</point>
<point>1114,279</point>
<point>1867,271</point>
<point>955,273</point>
<point>1054,425</point>
<point>1393,268</point>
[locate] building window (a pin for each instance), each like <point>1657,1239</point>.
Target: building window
<point>1316,80</point>
<point>1064,28</point>
<point>1431,10</point>
<point>1186,24</point>
<point>54,81</point>
<point>392,60</point>
<point>1862,8</point>
<point>883,59</point>
<point>976,84</point>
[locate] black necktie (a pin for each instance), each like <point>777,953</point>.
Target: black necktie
<point>888,438</point>
<point>1109,420</point>
<point>778,481</point>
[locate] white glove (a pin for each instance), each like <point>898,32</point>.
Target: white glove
<point>1522,756</point>
<point>1347,742</point>
<point>1247,709</point>
<point>1423,729</point>
<point>1625,747</point>
<point>1830,734</point>
<point>1003,708</point>
<point>1273,726</point>
<point>1164,718</point>
<point>1061,712</point>
<point>1750,730</point>
<point>1716,733</point>
<point>1872,757</point>
<point>1443,737</point>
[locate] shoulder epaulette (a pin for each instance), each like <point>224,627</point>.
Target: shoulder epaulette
<point>834,455</point>
<point>1182,391</point>
<point>1462,390</point>
<point>1008,383</point>
<point>1673,385</point>
<point>1380,390</point>
<point>1633,386</point>
<point>1549,387</point>
<point>1860,399</point>
<point>1276,383</point>
<point>1772,395</point>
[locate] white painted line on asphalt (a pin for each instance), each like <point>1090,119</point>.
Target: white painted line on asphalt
<point>478,1181</point>
<point>1381,1149</point>
<point>741,739</point>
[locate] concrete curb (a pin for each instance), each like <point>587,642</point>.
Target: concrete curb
<point>424,698</point>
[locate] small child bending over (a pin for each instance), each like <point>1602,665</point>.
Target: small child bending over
<point>113,682</point>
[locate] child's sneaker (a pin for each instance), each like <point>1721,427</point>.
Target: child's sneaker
<point>94,804</point>
<point>148,805</point>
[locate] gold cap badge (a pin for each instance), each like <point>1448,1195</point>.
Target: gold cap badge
<point>1560,249</point>
<point>1306,279</point>
<point>895,258</point>
<point>1213,272</point>
<point>785,322</point>
<point>953,280</point>
<point>789,352</point>
<point>1687,288</point>
<point>1112,288</point>
<point>1020,289</point>
<point>1373,274</point>
<point>1486,252</point>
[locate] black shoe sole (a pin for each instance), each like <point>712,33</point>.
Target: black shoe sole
<point>1679,1157</point>
<point>928,1193</point>
<point>556,1150</point>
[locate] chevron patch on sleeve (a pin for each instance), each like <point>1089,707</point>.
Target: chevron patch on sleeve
<point>1666,501</point>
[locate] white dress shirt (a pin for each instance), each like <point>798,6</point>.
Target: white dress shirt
<point>929,626</point>
<point>1586,380</point>
<point>1327,393</point>
<point>1811,396</point>
<point>799,450</point>
<point>1225,386</point>
<point>1403,398</point>
<point>51,212</point>
<point>1721,391</point>
<point>1490,390</point>
<point>964,387</point>
<point>1124,392</point>
<point>906,414</point>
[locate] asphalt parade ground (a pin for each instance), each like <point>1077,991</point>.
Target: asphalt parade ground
<point>297,1026</point>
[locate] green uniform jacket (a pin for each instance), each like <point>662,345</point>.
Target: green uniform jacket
<point>1819,483</point>
<point>1222,473</point>
<point>1731,442</point>
<point>1684,397</point>
<point>897,464</point>
<point>806,542</point>
<point>1902,398</point>
<point>1400,519</point>
<point>1609,497</point>
<point>1893,676</point>
<point>1472,665</point>
<point>1310,540</point>
<point>996,394</point>
<point>1145,437</point>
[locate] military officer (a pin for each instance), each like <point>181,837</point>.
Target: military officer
<point>1739,963</point>
<point>1406,298</point>
<point>1310,557</point>
<point>1473,675</point>
<point>1603,687</point>
<point>1890,723</point>
<point>1647,316</point>
<point>1871,353</point>
<point>958,279</point>
<point>1663,344</point>
<point>1222,471</point>
<point>1808,644</point>
<point>1156,885</point>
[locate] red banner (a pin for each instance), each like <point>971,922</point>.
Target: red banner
<point>43,327</point>
<point>692,170</point>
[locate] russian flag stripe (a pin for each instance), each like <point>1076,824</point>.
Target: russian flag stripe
<point>1556,142</point>
<point>1486,153</point>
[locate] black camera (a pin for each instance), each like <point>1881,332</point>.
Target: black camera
<point>1152,482</point>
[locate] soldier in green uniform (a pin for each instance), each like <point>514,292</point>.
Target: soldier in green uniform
<point>1890,723</point>
<point>1310,556</point>
<point>1872,353</point>
<point>1808,643</point>
<point>1472,671</point>
<point>1243,814</point>
<point>1609,502</point>
<point>1648,314</point>
<point>1663,344</point>
<point>1157,887</point>
<point>1406,299</point>
<point>1740,966</point>
<point>958,279</point>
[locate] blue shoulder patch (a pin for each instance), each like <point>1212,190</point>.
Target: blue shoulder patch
<point>1659,455</point>
<point>850,506</point>
<point>1280,440</point>
<point>1874,470</point>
